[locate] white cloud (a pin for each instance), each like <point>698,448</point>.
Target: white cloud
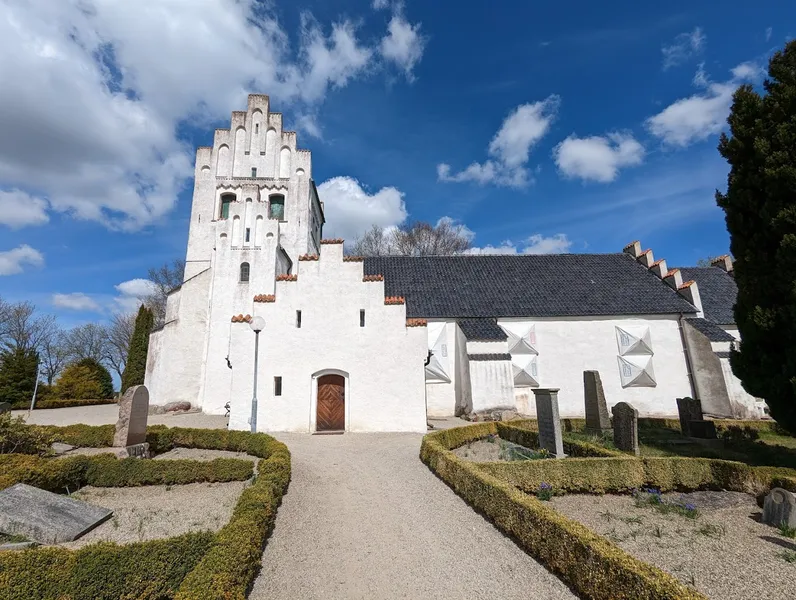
<point>380,4</point>
<point>403,44</point>
<point>93,92</point>
<point>19,209</point>
<point>132,293</point>
<point>350,210</point>
<point>769,31</point>
<point>13,261</point>
<point>75,301</point>
<point>510,148</point>
<point>536,244</point>
<point>309,125</point>
<point>685,46</point>
<point>697,117</point>
<point>597,158</point>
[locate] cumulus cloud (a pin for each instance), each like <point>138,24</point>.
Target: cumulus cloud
<point>14,261</point>
<point>75,301</point>
<point>510,148</point>
<point>403,44</point>
<point>350,210</point>
<point>380,4</point>
<point>132,294</point>
<point>684,47</point>
<point>535,244</point>
<point>597,158</point>
<point>19,209</point>
<point>697,117</point>
<point>94,92</point>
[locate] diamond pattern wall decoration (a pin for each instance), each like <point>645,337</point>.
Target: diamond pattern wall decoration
<point>636,371</point>
<point>526,370</point>
<point>437,370</point>
<point>634,342</point>
<point>521,337</point>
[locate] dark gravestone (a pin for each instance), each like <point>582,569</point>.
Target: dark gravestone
<point>549,422</point>
<point>597,419</point>
<point>625,427</point>
<point>46,517</point>
<point>705,430</point>
<point>5,407</point>
<point>780,507</point>
<point>688,410</point>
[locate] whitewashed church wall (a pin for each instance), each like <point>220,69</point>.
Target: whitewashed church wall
<point>480,347</point>
<point>441,396</point>
<point>567,347</point>
<point>464,396</point>
<point>383,361</point>
<point>745,406</point>
<point>492,383</point>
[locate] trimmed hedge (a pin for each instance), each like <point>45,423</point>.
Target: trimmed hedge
<point>60,403</point>
<point>593,566</point>
<point>218,566</point>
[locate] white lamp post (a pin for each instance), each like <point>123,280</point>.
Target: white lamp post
<point>257,324</point>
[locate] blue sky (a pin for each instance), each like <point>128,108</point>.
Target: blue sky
<point>575,126</point>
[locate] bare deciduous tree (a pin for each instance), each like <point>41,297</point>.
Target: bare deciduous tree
<point>118,334</point>
<point>86,341</point>
<point>414,239</point>
<point>22,329</point>
<point>53,354</point>
<point>165,278</point>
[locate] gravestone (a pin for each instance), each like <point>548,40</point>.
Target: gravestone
<point>688,410</point>
<point>46,517</point>
<point>549,421</point>
<point>625,427</point>
<point>597,419</point>
<point>705,430</point>
<point>780,507</point>
<point>5,407</point>
<point>130,435</point>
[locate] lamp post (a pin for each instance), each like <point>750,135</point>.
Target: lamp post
<point>257,324</point>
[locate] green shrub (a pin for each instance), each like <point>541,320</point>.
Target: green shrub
<point>18,371</point>
<point>16,437</point>
<point>83,380</point>
<point>135,366</point>
<point>50,401</point>
<point>593,566</point>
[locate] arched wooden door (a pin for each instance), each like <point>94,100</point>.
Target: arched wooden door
<point>331,403</point>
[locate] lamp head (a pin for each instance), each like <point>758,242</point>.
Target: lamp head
<point>257,324</point>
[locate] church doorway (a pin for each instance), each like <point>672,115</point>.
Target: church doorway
<point>331,403</point>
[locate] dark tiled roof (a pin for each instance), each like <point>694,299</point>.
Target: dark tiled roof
<point>717,290</point>
<point>722,354</point>
<point>550,285</point>
<point>489,356</point>
<point>482,329</point>
<point>711,331</point>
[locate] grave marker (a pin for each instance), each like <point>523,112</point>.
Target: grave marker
<point>597,419</point>
<point>688,410</point>
<point>625,427</point>
<point>780,507</point>
<point>549,421</point>
<point>130,435</point>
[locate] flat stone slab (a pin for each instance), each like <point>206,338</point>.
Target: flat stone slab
<point>46,517</point>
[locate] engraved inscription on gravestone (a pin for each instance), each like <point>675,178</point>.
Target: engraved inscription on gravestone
<point>625,427</point>
<point>548,420</point>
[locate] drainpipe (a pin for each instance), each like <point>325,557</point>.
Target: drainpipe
<point>425,386</point>
<point>689,369</point>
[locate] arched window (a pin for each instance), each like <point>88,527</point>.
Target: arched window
<point>244,272</point>
<point>226,201</point>
<point>276,208</point>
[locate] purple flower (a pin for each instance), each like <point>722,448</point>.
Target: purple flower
<point>546,486</point>
<point>690,506</point>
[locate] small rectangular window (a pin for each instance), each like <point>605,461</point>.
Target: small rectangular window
<point>298,319</point>
<point>256,128</point>
<point>361,318</point>
<point>254,172</point>
<point>277,386</point>
<point>248,233</point>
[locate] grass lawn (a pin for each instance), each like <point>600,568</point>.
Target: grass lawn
<point>771,449</point>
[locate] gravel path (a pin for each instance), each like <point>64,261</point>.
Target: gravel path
<point>159,511</point>
<point>105,414</point>
<point>364,518</point>
<point>725,552</point>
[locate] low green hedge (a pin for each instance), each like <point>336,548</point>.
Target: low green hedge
<point>593,566</point>
<point>200,566</point>
<point>60,403</point>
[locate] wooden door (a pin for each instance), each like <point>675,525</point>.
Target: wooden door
<point>331,403</point>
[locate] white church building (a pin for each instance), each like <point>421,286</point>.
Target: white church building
<point>384,343</point>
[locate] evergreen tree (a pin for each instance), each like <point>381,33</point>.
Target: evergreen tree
<point>85,379</point>
<point>18,368</point>
<point>760,211</point>
<point>135,368</point>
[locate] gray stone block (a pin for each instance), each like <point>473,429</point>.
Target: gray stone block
<point>780,507</point>
<point>133,412</point>
<point>18,546</point>
<point>705,430</point>
<point>625,427</point>
<point>46,517</point>
<point>688,410</point>
<point>547,417</point>
<point>597,419</point>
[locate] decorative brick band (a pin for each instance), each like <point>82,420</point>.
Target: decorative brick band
<point>630,244</point>
<point>285,277</point>
<point>353,259</point>
<point>657,262</point>
<point>309,257</point>
<point>687,284</point>
<point>333,241</point>
<point>394,300</point>
<point>265,298</point>
<point>373,278</point>
<point>242,319</point>
<point>416,323</point>
<point>672,272</point>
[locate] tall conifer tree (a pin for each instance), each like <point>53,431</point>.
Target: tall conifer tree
<point>135,368</point>
<point>760,210</point>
